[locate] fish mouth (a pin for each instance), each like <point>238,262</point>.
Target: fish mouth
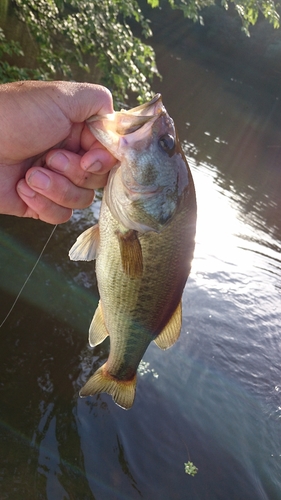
<point>132,120</point>
<point>122,130</point>
<point>126,122</point>
<point>150,108</point>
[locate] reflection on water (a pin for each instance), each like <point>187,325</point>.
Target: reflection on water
<point>214,398</point>
<point>228,234</point>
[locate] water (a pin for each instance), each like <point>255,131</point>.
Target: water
<point>214,398</point>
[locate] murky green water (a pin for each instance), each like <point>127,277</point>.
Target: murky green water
<point>214,398</point>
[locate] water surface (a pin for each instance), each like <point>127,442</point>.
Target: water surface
<point>214,397</point>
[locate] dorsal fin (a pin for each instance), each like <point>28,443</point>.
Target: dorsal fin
<point>97,330</point>
<point>131,253</point>
<point>86,245</point>
<point>171,331</point>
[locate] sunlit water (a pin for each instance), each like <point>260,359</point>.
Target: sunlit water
<point>214,397</point>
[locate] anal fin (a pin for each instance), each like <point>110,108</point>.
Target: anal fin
<point>122,391</point>
<point>97,330</point>
<point>131,253</point>
<point>171,331</point>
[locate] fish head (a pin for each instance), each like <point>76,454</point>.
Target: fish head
<point>146,185</point>
<point>110,129</point>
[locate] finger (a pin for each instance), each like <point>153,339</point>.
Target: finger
<point>88,140</point>
<point>51,107</point>
<point>40,207</point>
<point>97,160</point>
<point>79,101</point>
<point>73,141</point>
<point>58,188</point>
<point>90,143</point>
<point>93,175</point>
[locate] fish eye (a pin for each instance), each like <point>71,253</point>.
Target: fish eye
<point>167,143</point>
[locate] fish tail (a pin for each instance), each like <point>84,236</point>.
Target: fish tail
<point>122,391</point>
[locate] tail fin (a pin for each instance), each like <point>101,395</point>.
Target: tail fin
<point>122,391</point>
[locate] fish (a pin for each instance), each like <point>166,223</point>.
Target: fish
<point>143,243</point>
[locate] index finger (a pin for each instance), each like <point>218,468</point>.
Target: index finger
<point>88,140</point>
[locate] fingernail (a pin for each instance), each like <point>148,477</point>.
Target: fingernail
<point>58,161</point>
<point>39,180</point>
<point>93,167</point>
<point>25,189</point>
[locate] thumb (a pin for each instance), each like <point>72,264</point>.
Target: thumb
<point>38,115</point>
<point>79,101</point>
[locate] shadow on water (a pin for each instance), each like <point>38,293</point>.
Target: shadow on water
<point>214,398</point>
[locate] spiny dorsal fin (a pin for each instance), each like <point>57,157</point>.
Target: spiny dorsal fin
<point>122,391</point>
<point>97,330</point>
<point>171,331</point>
<point>131,253</point>
<point>86,245</point>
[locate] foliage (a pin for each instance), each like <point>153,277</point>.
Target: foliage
<point>8,72</point>
<point>248,10</point>
<point>68,30</point>
<point>190,468</point>
<point>98,38</point>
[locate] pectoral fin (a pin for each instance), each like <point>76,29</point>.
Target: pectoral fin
<point>86,245</point>
<point>131,253</point>
<point>97,330</point>
<point>171,331</point>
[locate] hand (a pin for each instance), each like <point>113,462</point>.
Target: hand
<point>50,163</point>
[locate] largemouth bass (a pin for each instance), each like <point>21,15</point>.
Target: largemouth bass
<point>143,243</point>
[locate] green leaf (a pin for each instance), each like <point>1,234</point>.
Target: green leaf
<point>190,468</point>
<point>153,3</point>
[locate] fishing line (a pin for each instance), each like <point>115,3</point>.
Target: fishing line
<point>32,270</point>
